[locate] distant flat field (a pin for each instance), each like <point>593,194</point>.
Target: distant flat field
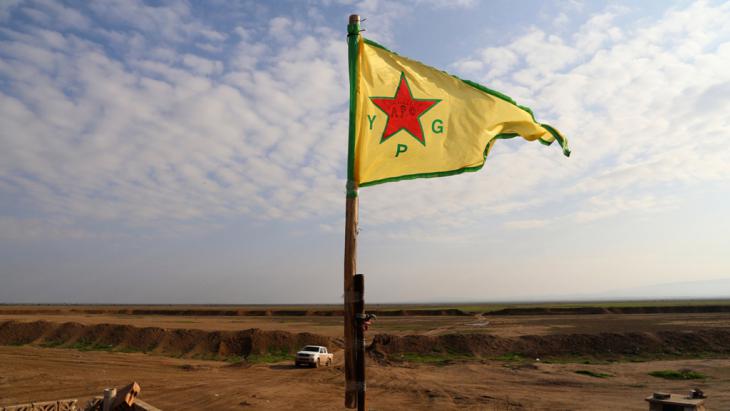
<point>331,325</point>
<point>467,307</point>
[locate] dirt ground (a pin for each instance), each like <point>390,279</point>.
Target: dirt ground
<point>32,373</point>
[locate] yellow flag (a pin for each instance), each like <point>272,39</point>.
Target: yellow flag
<point>411,120</point>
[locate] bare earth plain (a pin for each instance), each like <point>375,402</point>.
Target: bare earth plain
<point>498,362</point>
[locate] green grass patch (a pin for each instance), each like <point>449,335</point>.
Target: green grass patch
<point>270,357</point>
<point>511,357</point>
<point>678,375</point>
<point>83,345</point>
<point>577,360</point>
<point>235,359</point>
<point>194,367</point>
<point>209,357</point>
<point>593,374</point>
<point>433,358</point>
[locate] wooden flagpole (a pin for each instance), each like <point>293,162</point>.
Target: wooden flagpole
<point>352,385</point>
<point>350,298</point>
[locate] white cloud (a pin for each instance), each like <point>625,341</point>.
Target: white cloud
<point>145,135</point>
<point>599,30</point>
<point>280,28</point>
<point>6,7</point>
<point>526,224</point>
<point>603,206</point>
<point>50,12</point>
<point>172,22</point>
<point>140,132</point>
<point>643,105</point>
<point>31,229</point>
<point>449,3</point>
<point>202,65</point>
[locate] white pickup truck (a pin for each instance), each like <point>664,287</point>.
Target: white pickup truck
<point>314,356</point>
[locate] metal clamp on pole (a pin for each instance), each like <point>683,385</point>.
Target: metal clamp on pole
<point>351,188</point>
<point>365,320</point>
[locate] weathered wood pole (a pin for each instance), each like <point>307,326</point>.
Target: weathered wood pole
<point>359,285</point>
<point>350,297</point>
<point>351,204</point>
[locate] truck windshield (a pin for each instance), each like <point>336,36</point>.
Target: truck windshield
<point>311,348</point>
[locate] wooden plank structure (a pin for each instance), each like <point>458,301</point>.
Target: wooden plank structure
<point>58,405</point>
<point>674,402</point>
<point>139,405</point>
<point>124,398</point>
<point>113,400</point>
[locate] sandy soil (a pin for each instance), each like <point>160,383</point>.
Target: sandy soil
<point>31,373</point>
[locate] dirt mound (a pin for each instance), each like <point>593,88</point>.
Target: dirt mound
<point>17,333</point>
<point>533,346</point>
<point>243,343</point>
<point>176,342</point>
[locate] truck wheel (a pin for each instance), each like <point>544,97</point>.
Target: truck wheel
<point>317,364</point>
<point>329,362</point>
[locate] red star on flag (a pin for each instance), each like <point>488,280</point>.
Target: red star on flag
<point>403,111</point>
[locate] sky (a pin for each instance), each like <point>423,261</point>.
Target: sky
<point>195,152</point>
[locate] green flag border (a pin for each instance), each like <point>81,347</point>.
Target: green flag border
<point>351,155</point>
<point>353,37</point>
